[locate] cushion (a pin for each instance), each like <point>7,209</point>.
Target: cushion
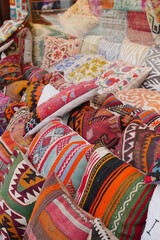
<point>59,82</point>
<point>153,79</point>
<point>89,70</point>
<point>141,98</point>
<point>6,45</point>
<point>19,192</point>
<point>38,32</point>
<point>153,175</point>
<point>56,49</point>
<point>16,89</point>
<point>152,223</point>
<point>34,74</point>
<point>4,103</point>
<point>32,94</point>
<point>109,50</point>
<point>80,12</point>
<point>133,53</point>
<point>59,105</point>
<point>12,109</point>
<point>56,147</point>
<point>139,145</point>
<point>90,44</point>
<point>61,217</point>
<point>48,91</point>
<point>10,70</point>
<point>115,192</point>
<point>120,76</point>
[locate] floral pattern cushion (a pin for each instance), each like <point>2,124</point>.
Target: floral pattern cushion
<point>57,49</point>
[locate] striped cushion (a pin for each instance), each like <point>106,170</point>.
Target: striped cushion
<point>62,218</point>
<point>58,148</point>
<point>133,53</point>
<point>90,44</point>
<point>115,192</point>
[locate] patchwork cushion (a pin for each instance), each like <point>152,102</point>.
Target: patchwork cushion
<point>141,98</point>
<point>139,145</point>
<point>133,53</point>
<point>38,32</point>
<point>81,13</point>
<point>16,89</point>
<point>60,216</point>
<point>90,44</point>
<point>152,81</point>
<point>89,70</point>
<point>4,103</point>
<point>32,94</point>
<point>19,192</point>
<point>120,76</point>
<point>10,70</point>
<point>59,105</point>
<point>56,49</point>
<point>115,192</point>
<point>109,50</point>
<point>56,147</point>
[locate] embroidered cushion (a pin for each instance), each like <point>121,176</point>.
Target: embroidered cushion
<point>89,70</point>
<point>59,105</point>
<point>133,53</point>
<point>115,192</point>
<point>56,147</point>
<point>10,70</point>
<point>38,32</point>
<point>16,89</point>
<point>78,19</point>
<point>60,216</point>
<point>57,49</point>
<point>153,79</point>
<point>120,76</point>
<point>141,98</point>
<point>19,192</point>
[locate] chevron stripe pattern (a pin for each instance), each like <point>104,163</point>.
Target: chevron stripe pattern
<point>113,191</point>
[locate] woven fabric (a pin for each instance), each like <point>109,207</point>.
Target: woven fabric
<point>38,32</point>
<point>153,175</point>
<point>18,10</point>
<point>58,148</point>
<point>34,74</point>
<point>10,70</point>
<point>133,53</point>
<point>12,108</point>
<point>153,79</point>
<point>59,82</point>
<point>53,107</point>
<point>139,145</point>
<point>56,49</point>
<point>23,186</point>
<point>128,5</point>
<point>16,89</point>
<point>80,12</point>
<point>32,94</point>
<point>115,192</point>
<point>90,44</point>
<point>120,76</point>
<point>141,98</point>
<point>109,50</point>
<point>4,103</point>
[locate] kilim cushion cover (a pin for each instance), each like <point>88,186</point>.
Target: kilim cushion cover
<point>34,74</point>
<point>141,98</point>
<point>4,103</point>
<point>133,53</point>
<point>59,105</point>
<point>12,109</point>
<point>61,217</point>
<point>152,229</point>
<point>16,89</point>
<point>98,125</point>
<point>10,70</point>
<point>56,49</point>
<point>89,70</point>
<point>59,82</point>
<point>153,175</point>
<point>7,145</point>
<point>81,13</point>
<point>115,192</point>
<point>139,145</point>
<point>32,94</point>
<point>122,76</point>
<point>56,147</point>
<point>152,82</point>
<point>18,194</point>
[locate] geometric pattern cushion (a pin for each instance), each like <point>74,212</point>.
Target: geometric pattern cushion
<point>115,192</point>
<point>153,175</point>
<point>16,89</point>
<point>12,109</point>
<point>56,215</point>
<point>18,194</point>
